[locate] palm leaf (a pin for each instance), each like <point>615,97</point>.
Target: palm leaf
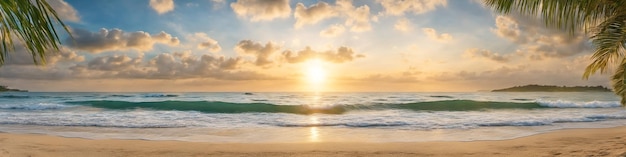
<point>608,42</point>
<point>570,15</point>
<point>32,24</point>
<point>619,82</point>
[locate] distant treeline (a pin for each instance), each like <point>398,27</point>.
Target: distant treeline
<point>552,88</point>
<point>7,89</point>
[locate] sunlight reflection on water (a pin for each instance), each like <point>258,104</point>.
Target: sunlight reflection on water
<point>313,131</point>
<point>313,134</point>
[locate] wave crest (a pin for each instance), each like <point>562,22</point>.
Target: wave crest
<point>446,105</point>
<point>213,107</point>
<point>38,106</point>
<point>572,104</point>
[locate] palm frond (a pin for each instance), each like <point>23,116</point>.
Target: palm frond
<point>619,82</point>
<point>570,15</point>
<point>608,41</point>
<point>32,22</point>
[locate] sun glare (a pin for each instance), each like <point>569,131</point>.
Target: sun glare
<point>315,73</point>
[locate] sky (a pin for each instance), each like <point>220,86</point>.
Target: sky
<point>299,46</point>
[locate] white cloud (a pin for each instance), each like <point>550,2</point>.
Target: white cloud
<point>537,41</point>
<point>205,42</point>
<point>263,53</point>
<point>432,34</point>
<point>358,19</point>
<point>482,53</point>
<point>266,54</point>
<point>162,6</point>
<point>261,10</point>
<point>116,40</point>
<point>64,10</point>
<point>506,27</point>
<point>343,54</point>
<point>313,14</point>
<point>177,65</point>
<point>399,7</point>
<point>333,31</point>
<point>403,25</point>
<point>114,63</point>
<point>211,45</point>
<point>21,56</point>
<point>185,65</point>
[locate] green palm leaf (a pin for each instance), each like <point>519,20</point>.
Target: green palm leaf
<point>32,24</point>
<point>618,81</point>
<point>609,46</point>
<point>570,15</point>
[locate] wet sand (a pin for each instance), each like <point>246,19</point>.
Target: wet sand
<point>570,142</point>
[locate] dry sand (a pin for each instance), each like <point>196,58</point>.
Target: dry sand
<point>573,142</point>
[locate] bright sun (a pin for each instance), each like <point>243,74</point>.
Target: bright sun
<point>315,73</point>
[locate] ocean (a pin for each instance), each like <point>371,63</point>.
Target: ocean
<point>306,117</point>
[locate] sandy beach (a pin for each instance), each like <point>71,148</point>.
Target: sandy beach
<point>571,142</point>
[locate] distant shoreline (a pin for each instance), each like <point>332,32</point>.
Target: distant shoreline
<point>553,88</point>
<point>7,89</point>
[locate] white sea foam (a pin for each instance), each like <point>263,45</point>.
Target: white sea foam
<point>36,106</point>
<point>577,104</point>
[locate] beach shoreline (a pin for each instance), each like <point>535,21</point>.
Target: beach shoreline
<point>566,142</point>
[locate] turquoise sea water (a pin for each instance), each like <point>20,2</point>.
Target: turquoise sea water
<point>306,117</point>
